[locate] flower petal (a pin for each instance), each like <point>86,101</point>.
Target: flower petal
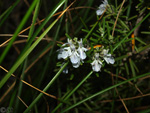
<point>109,59</point>
<point>64,52</point>
<point>96,65</point>
<point>102,8</point>
<point>81,50</point>
<point>82,53</point>
<point>76,65</point>
<point>74,57</point>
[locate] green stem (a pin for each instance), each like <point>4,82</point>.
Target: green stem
<point>131,32</point>
<point>46,88</point>
<point>73,90</point>
<point>105,90</point>
<point>18,30</point>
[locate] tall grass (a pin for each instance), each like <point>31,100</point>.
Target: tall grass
<point>32,78</point>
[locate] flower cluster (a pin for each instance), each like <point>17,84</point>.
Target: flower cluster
<point>97,63</point>
<point>102,8</point>
<point>76,52</point>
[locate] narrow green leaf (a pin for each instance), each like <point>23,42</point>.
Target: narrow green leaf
<point>145,32</point>
<point>16,65</point>
<point>89,33</point>
<point>73,90</point>
<point>103,91</point>
<point>46,88</point>
<point>143,48</point>
<point>131,32</point>
<point>139,40</point>
<point>127,68</point>
<point>123,24</point>
<point>18,30</point>
<point>7,12</point>
<point>132,67</point>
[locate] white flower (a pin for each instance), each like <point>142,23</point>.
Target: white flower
<point>71,51</point>
<point>105,2</point>
<point>107,57</point>
<point>102,8</point>
<point>64,53</point>
<point>96,64</point>
<point>76,65</point>
<point>74,58</point>
<point>82,50</point>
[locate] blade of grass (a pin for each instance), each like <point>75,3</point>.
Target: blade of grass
<point>131,31</point>
<point>129,8</point>
<point>26,53</point>
<point>7,12</point>
<point>75,100</point>
<point>143,48</point>
<point>73,90</point>
<point>145,32</point>
<point>132,68</point>
<point>37,8</point>
<point>86,12</point>
<point>18,30</point>
<point>16,65</point>
<point>121,57</point>
<point>20,86</point>
<point>52,44</point>
<point>25,63</point>
<point>58,30</point>
<point>42,25</point>
<point>4,13</point>
<point>105,90</point>
<point>139,40</point>
<point>135,67</point>
<point>46,88</point>
<point>89,33</point>
<point>127,68</point>
<point>13,97</point>
<point>123,24</point>
<point>144,111</point>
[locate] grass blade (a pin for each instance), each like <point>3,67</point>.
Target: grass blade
<point>105,90</point>
<point>130,32</point>
<point>18,30</point>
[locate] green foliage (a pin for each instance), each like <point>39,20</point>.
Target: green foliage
<point>35,80</point>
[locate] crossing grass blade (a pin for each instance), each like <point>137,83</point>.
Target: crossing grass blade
<point>5,15</point>
<point>21,59</point>
<point>31,8</point>
<point>45,89</point>
<point>103,91</point>
<point>131,32</point>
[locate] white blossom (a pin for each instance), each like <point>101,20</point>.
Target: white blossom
<point>96,64</point>
<point>108,57</point>
<point>64,52</point>
<point>76,65</point>
<point>82,50</point>
<point>74,54</point>
<point>102,8</point>
<point>74,58</point>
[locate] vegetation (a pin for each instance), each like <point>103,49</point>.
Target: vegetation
<point>111,76</point>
